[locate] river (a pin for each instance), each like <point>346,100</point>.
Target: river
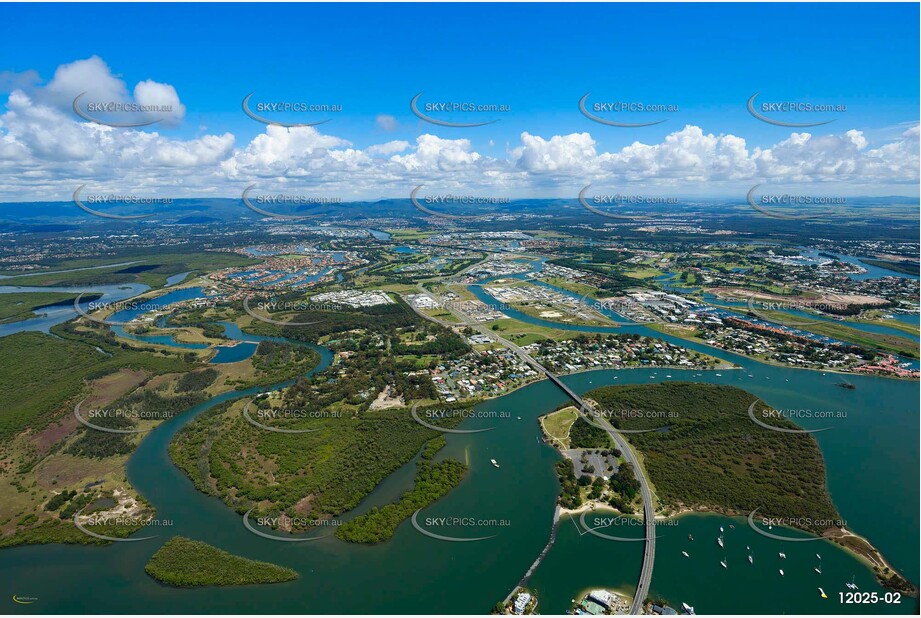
<point>872,459</point>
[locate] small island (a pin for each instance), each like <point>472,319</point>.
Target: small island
<point>702,452</point>
<point>186,563</point>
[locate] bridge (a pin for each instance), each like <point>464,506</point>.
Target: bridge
<point>629,455</point>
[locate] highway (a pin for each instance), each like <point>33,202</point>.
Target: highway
<point>629,455</point>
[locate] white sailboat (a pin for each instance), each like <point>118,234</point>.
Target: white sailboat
<point>781,572</point>
<point>782,555</point>
<point>685,554</point>
<point>824,596</point>
<point>723,562</point>
<point>750,559</point>
<point>720,540</point>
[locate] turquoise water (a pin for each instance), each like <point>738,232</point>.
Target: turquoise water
<point>872,460</point>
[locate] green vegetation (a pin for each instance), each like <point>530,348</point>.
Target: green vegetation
<point>19,306</point>
<point>713,456</point>
<point>151,268</point>
<point>882,342</point>
<point>52,372</point>
<point>145,404</point>
<point>557,425</point>
<point>197,380</point>
<point>584,435</point>
<point>432,482</point>
<point>187,563</point>
<point>908,268</point>
<point>323,473</point>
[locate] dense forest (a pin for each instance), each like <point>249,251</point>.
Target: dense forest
<point>433,480</point>
<point>712,455</point>
<point>186,563</point>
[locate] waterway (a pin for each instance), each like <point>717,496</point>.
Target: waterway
<point>872,459</point>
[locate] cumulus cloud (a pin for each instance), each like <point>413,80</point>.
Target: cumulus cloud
<point>389,148</point>
<point>45,150</point>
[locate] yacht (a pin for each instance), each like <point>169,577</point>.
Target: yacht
<point>685,554</point>
<point>750,559</point>
<point>782,555</point>
<point>494,462</point>
<point>720,540</point>
<point>687,608</point>
<point>781,572</point>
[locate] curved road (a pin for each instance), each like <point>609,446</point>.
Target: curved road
<point>649,552</point>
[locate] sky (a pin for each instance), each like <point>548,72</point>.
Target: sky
<point>699,62</point>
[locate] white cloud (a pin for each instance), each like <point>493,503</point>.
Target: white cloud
<point>45,150</point>
<point>389,148</point>
<point>386,122</point>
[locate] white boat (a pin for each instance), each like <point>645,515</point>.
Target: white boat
<point>782,555</point>
<point>781,571</point>
<point>687,608</point>
<point>719,375</point>
<point>720,541</point>
<point>721,528</point>
<point>750,559</point>
<point>817,570</point>
<point>818,556</point>
<point>723,562</point>
<point>494,462</point>
<point>685,554</point>
<point>824,596</point>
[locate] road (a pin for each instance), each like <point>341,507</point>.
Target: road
<point>649,552</point>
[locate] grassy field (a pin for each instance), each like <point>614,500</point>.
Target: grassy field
<point>557,425</point>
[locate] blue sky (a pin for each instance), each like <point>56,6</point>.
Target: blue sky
<point>706,59</point>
